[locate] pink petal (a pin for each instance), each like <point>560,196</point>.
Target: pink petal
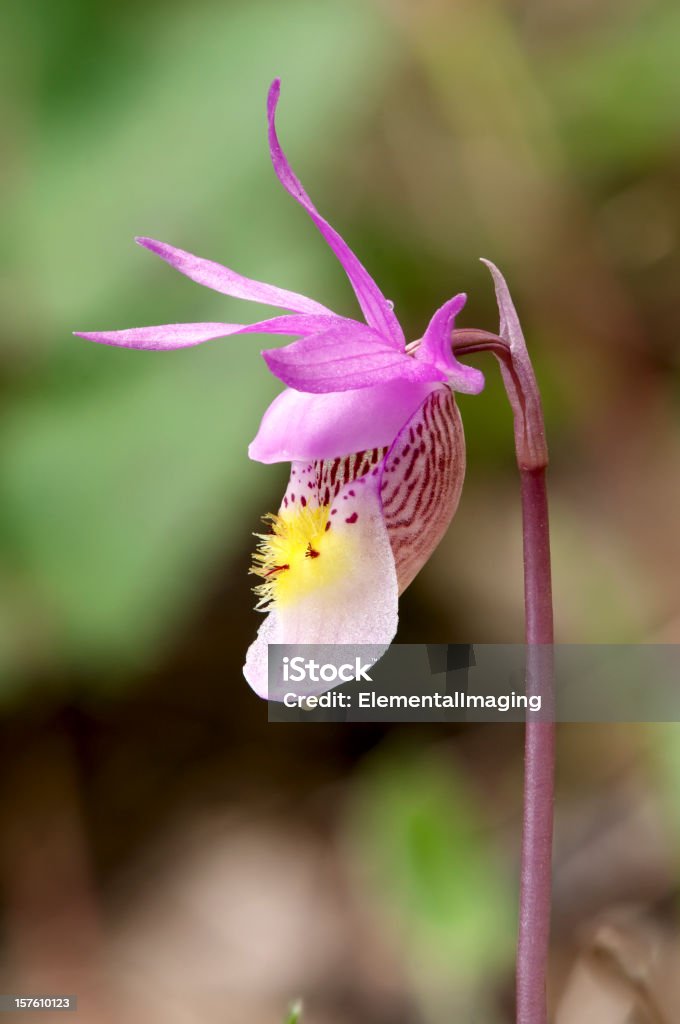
<point>375,307</point>
<point>346,357</point>
<point>359,607</point>
<point>167,337</point>
<point>221,279</point>
<point>435,348</point>
<point>299,426</point>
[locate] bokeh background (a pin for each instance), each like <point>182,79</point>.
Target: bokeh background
<point>164,852</point>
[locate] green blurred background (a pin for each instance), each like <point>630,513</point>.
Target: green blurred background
<point>166,853</point>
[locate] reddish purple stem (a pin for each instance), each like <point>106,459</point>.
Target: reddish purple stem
<point>539,757</point>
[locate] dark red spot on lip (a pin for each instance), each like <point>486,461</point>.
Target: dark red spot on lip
<point>328,525</point>
<point>351,493</point>
<point>303,500</point>
<point>292,497</point>
<point>285,502</point>
<point>353,518</point>
<point>334,511</point>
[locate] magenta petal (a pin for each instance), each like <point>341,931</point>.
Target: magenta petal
<point>221,279</point>
<point>167,337</point>
<point>346,357</point>
<point>435,348</point>
<point>298,426</point>
<point>374,305</point>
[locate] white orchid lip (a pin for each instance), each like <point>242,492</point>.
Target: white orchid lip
<point>350,536</point>
<point>347,593</point>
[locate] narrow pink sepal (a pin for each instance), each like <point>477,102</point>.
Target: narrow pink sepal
<point>228,282</point>
<point>374,305</point>
<point>167,337</point>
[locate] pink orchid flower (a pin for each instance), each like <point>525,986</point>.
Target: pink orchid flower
<point>371,428</point>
